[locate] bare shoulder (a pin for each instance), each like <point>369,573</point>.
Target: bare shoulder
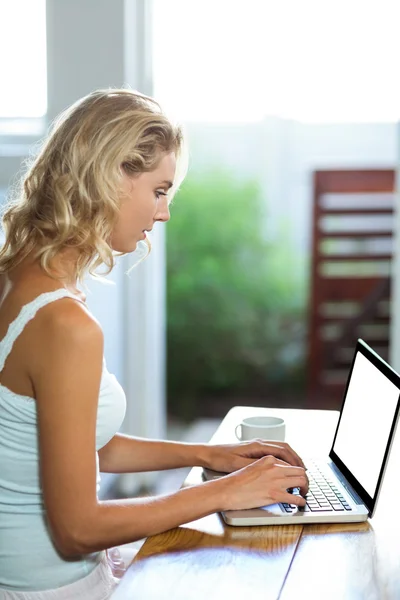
<point>70,337</point>
<point>68,319</point>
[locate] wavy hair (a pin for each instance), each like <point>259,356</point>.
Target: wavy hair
<point>69,196</point>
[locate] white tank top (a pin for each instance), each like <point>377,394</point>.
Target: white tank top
<point>28,557</point>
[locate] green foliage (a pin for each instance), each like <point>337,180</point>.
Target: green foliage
<point>234,300</point>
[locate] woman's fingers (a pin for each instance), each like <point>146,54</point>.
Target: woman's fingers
<point>266,481</point>
<point>295,477</point>
<point>287,453</point>
<point>278,449</point>
<point>292,499</point>
<point>290,469</point>
<point>300,482</point>
<point>292,476</point>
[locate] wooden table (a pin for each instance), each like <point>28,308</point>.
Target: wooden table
<point>207,559</point>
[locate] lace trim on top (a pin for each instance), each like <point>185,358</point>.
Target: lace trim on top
<point>27,313</point>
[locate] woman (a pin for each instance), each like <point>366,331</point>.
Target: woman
<point>105,176</point>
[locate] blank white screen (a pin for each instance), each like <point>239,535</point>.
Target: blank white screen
<point>366,422</point>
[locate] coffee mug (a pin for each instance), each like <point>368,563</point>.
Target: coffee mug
<point>266,428</point>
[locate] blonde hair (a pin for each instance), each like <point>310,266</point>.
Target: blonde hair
<point>69,196</point>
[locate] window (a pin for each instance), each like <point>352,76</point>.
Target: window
<point>23,87</point>
<point>302,59</point>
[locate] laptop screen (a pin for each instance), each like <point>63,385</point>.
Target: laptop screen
<point>367,418</point>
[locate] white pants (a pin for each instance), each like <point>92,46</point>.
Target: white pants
<point>98,585</point>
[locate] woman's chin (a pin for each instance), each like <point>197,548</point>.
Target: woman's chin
<point>126,247</point>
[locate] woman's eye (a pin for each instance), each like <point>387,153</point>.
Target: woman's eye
<point>160,193</point>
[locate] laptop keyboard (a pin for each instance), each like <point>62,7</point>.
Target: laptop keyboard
<point>322,496</point>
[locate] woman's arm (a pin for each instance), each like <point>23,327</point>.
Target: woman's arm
<point>66,370</point>
<point>127,454</point>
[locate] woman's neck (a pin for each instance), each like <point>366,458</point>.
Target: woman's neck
<point>63,266</point>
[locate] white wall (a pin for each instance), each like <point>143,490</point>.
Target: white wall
<point>282,156</point>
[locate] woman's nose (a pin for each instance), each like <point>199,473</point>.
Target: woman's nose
<point>163,213</point>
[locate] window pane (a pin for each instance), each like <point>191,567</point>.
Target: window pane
<point>23,88</point>
<point>219,60</point>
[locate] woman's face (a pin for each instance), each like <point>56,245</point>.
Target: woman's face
<point>144,201</point>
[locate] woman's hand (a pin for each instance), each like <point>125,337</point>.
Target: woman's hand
<point>231,457</point>
<point>265,481</point>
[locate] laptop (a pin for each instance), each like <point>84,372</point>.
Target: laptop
<point>345,486</point>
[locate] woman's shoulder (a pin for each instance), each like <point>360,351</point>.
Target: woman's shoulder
<point>70,338</point>
<point>66,316</point>
<point>64,327</point>
<point>70,320</point>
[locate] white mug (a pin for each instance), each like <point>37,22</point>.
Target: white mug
<point>266,428</point>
